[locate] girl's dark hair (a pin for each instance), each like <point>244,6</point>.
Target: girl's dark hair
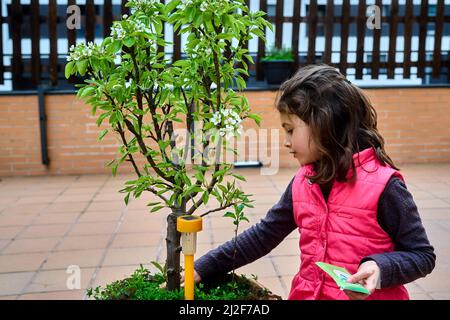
<point>340,116</point>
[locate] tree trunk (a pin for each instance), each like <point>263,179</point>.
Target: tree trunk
<point>173,251</point>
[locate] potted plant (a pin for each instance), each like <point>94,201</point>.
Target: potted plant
<point>146,99</point>
<point>278,65</point>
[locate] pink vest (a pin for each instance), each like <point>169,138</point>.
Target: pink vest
<point>342,230</point>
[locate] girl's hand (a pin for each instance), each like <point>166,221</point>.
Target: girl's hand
<point>368,275</point>
<point>197,278</point>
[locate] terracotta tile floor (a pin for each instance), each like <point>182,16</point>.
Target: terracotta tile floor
<point>49,223</point>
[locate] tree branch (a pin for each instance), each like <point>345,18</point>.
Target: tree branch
<point>130,156</point>
<point>159,195</point>
<point>144,151</point>
<point>218,209</point>
<point>208,190</point>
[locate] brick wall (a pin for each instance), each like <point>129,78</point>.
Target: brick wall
<point>414,122</point>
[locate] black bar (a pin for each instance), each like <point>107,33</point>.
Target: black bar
<point>296,31</point>
<point>52,25</point>
<point>123,9</point>
<point>71,39</point>
<point>448,66</point>
<point>244,46</point>
<point>279,24</point>
<point>361,29</point>
<point>328,31</point>
<point>345,23</point>
<point>17,63</point>
<point>160,48</point>
<point>376,47</point>
<point>43,125</point>
<point>312,27</point>
<point>2,68</point>
<point>392,39</point>
<point>90,20</point>
<point>439,25</point>
<point>408,33</point>
<point>35,46</point>
<point>261,47</point>
<point>107,18</point>
<point>422,38</point>
<point>176,45</point>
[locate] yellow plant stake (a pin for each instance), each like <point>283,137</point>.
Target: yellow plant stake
<point>189,225</point>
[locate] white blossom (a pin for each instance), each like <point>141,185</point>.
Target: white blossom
<point>117,31</point>
<point>82,51</point>
<point>185,3</point>
<point>141,5</point>
<point>204,6</point>
<point>228,122</point>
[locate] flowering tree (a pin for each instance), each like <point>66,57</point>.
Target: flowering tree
<point>143,96</point>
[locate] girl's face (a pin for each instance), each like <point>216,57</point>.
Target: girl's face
<point>298,139</point>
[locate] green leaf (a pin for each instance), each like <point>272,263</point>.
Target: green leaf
<point>255,117</point>
<point>69,69</point>
<point>242,71</point>
<point>114,169</point>
<point>219,173</point>
<point>249,58</point>
<point>199,177</point>
<point>158,266</point>
<point>241,84</point>
<point>102,117</point>
<point>198,20</point>
<point>119,116</point>
<point>156,208</point>
<point>229,215</point>
<point>82,66</point>
<point>127,197</point>
<point>258,33</point>
<point>163,144</point>
<point>238,176</point>
<point>226,36</point>
<point>86,91</point>
<point>181,63</point>
<point>115,46</point>
<point>245,219</point>
<point>205,197</point>
<point>110,163</point>
<point>102,134</point>
<point>158,26</point>
<point>129,41</point>
<point>221,187</point>
<point>172,5</point>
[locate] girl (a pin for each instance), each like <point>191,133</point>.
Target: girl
<point>348,199</point>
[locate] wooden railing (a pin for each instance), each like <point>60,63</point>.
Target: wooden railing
<point>32,69</point>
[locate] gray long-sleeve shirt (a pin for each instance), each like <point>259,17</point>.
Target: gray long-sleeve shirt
<point>397,214</point>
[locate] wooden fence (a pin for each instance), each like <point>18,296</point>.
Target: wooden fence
<point>30,70</point>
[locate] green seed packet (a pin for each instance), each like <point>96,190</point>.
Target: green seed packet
<point>340,276</point>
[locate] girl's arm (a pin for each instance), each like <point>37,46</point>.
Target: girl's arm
<point>414,256</point>
<point>253,243</point>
